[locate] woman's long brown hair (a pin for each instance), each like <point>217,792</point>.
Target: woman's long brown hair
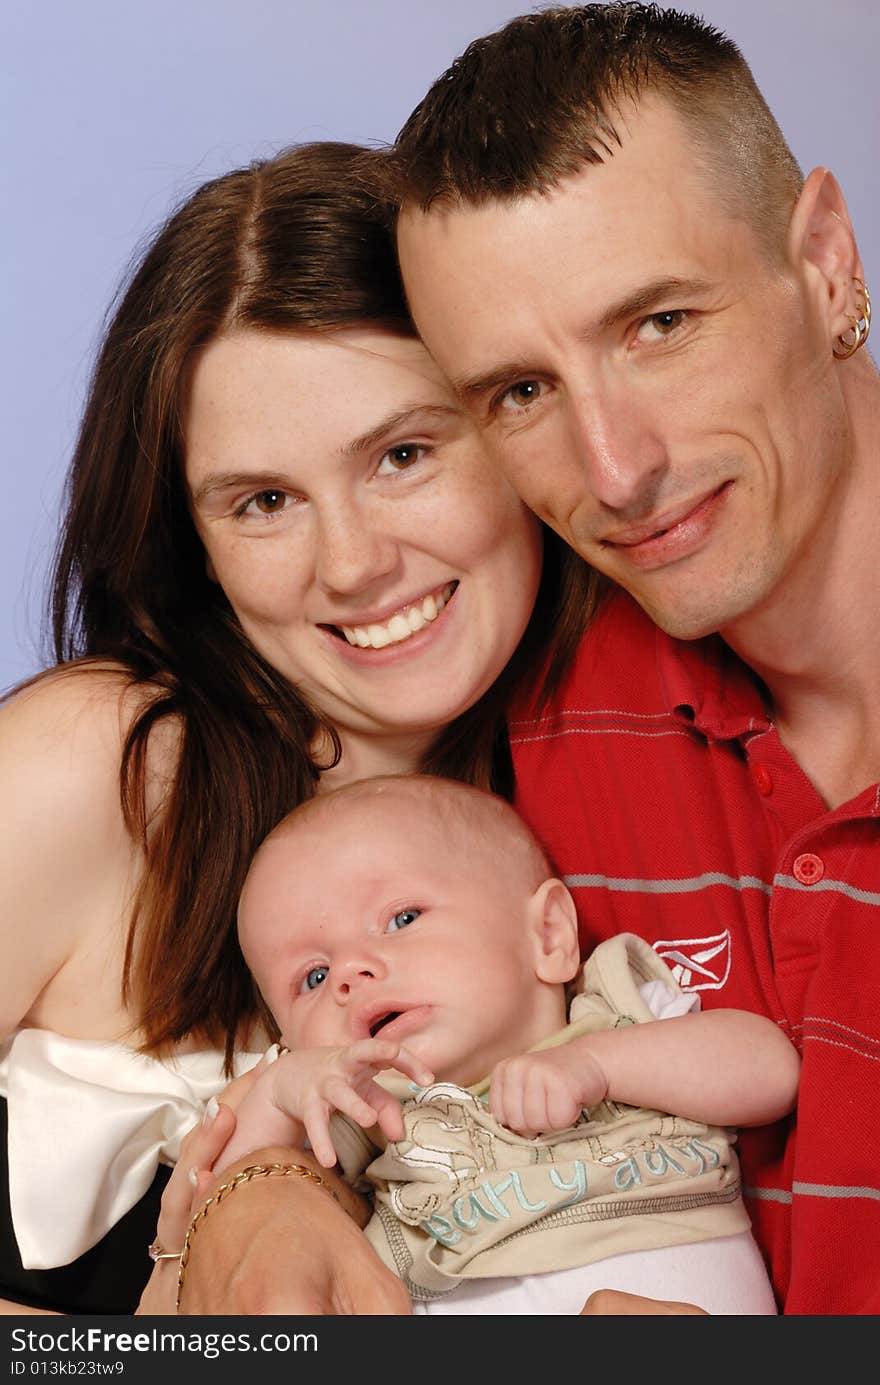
<point>297,242</point>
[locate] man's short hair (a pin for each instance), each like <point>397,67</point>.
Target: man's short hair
<point>533,103</point>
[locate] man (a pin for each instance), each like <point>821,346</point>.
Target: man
<point>657,322</point>
<point>608,246</point>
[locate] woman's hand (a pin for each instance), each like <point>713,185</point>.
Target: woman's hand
<point>187,1187</point>
<point>184,1192</point>
<point>282,1245</point>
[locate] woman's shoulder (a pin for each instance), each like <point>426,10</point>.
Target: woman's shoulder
<point>77,717</point>
<point>90,688</point>
<point>68,862</point>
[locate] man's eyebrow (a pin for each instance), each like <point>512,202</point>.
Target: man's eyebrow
<point>646,297</point>
<point>400,419</point>
<point>470,387</point>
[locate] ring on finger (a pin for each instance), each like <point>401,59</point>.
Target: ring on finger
<point>157,1251</point>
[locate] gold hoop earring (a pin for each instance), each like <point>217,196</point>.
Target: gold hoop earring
<point>846,345</point>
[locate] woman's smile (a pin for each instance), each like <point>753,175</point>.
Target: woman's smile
<point>405,622</point>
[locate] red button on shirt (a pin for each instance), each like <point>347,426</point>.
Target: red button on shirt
<point>763,780</point>
<point>808,868</point>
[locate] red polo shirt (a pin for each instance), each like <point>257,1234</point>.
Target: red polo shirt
<point>659,786</point>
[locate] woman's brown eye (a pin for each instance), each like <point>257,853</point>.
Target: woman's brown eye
<point>269,501</point>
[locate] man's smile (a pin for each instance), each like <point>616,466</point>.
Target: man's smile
<point>671,536</point>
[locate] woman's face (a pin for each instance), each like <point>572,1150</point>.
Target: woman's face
<point>369,550</point>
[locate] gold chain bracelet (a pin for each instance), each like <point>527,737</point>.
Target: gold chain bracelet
<point>243,1176</point>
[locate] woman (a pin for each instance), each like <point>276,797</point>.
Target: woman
<point>285,564</point>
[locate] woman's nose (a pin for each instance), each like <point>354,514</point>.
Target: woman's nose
<point>353,551</point>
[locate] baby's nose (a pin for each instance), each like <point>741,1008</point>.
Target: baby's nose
<point>350,975</point>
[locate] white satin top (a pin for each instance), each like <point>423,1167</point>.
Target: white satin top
<point>89,1124</point>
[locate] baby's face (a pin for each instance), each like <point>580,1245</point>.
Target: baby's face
<point>362,921</point>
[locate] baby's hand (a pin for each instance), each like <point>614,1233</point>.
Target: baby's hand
<point>312,1083</point>
<point>538,1092</point>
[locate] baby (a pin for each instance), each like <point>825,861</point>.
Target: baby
<point>415,949</point>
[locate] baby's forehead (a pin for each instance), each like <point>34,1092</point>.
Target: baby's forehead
<point>378,826</point>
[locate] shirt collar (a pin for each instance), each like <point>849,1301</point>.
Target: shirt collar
<point>708,687</point>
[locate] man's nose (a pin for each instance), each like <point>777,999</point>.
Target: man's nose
<point>354,548</point>
<point>618,448</point>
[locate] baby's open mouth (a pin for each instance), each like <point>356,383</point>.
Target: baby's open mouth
<point>401,625</point>
<point>382,1021</point>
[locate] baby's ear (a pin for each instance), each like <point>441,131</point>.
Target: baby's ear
<point>554,930</point>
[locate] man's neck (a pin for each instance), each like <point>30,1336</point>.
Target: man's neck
<point>816,642</point>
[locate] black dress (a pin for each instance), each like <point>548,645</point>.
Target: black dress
<point>109,1278</point>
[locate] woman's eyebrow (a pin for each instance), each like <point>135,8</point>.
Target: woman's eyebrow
<point>401,418</point>
<point>227,480</point>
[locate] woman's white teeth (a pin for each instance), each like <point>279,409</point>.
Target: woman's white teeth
<point>401,625</point>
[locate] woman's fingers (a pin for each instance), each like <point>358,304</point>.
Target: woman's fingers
<point>198,1150</point>
<point>235,1091</point>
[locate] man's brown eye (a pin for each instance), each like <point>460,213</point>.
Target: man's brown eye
<point>667,322</point>
<point>525,392</point>
<point>269,501</point>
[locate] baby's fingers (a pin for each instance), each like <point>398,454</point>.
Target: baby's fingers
<point>385,1053</point>
<point>506,1097</point>
<point>342,1096</point>
<point>412,1066</point>
<point>390,1117</point>
<point>316,1119</point>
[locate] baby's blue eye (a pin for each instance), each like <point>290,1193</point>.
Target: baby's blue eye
<point>403,919</point>
<point>314,977</point>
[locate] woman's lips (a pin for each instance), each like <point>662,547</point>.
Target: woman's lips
<point>403,624</point>
<point>412,622</point>
<point>672,537</point>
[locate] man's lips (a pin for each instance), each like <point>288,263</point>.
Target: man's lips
<point>660,526</point>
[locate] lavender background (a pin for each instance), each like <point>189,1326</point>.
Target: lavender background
<point>111,113</point>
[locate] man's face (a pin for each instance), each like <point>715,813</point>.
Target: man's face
<point>655,387</point>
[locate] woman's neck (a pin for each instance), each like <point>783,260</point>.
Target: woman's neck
<point>365,756</point>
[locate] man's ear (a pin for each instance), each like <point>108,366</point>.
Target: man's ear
<point>554,930</point>
<point>821,236</point>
